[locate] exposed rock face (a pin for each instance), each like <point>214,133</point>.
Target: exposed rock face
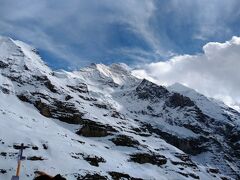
<point>185,161</point>
<point>81,88</point>
<point>143,158</point>
<point>94,160</point>
<point>178,100</point>
<point>92,177</point>
<point>44,109</point>
<point>46,82</point>
<point>102,106</point>
<point>123,140</point>
<point>119,176</point>
<point>35,158</point>
<point>63,111</point>
<point>147,90</point>
<point>3,64</point>
<point>3,171</point>
<point>188,145</point>
<point>91,159</point>
<point>94,129</point>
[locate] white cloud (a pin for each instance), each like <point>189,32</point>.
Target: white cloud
<point>215,73</point>
<point>85,24</point>
<point>210,18</point>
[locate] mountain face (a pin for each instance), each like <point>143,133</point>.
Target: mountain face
<point>101,122</point>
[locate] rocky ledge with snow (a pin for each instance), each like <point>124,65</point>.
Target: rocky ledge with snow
<point>101,122</point>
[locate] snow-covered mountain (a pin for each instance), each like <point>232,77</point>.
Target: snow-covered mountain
<point>101,122</point>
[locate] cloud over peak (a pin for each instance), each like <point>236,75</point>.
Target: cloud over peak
<point>214,73</point>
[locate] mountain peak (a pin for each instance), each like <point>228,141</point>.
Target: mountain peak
<point>179,87</point>
<point>7,47</point>
<point>19,56</point>
<point>117,74</point>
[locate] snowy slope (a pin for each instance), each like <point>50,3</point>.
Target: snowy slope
<point>103,123</point>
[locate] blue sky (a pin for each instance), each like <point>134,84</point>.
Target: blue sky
<point>73,33</point>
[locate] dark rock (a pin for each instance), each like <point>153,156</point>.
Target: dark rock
<point>81,88</point>
<point>194,176</point>
<point>66,112</point>
<point>91,159</point>
<point>102,106</point>
<point>3,65</point>
<point>185,160</point>
<point>178,100</point>
<point>191,146</point>
<point>45,146</point>
<point>116,114</point>
<point>225,178</point>
<point>119,176</point>
<point>76,155</point>
<point>94,160</point>
<point>19,146</point>
<point>43,108</point>
<point>151,158</point>
<point>111,83</point>
<point>195,128</point>
<point>94,129</point>
<point>149,108</point>
<point>44,79</point>
<point>3,171</point>
<point>87,98</point>
<point>16,78</point>
<point>24,98</point>
<point>81,142</point>
<point>123,140</point>
<point>213,170</point>
<point>234,136</point>
<point>68,97</point>
<point>35,158</point>
<point>50,86</point>
<point>92,177</point>
<point>26,68</point>
<point>3,154</point>
<point>4,90</point>
<point>147,90</point>
<point>35,148</point>
<point>184,174</point>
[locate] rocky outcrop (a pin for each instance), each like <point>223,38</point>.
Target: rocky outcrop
<point>35,158</point>
<point>94,176</point>
<point>46,82</point>
<point>94,160</point>
<point>178,100</point>
<point>147,90</point>
<point>191,146</point>
<point>3,171</point>
<point>94,129</point>
<point>80,88</point>
<point>150,158</point>
<point>3,65</point>
<point>123,140</point>
<point>119,176</point>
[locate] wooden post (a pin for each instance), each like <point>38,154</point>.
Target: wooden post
<point>19,160</point>
<point>20,157</point>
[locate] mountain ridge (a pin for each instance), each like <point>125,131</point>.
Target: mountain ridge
<point>105,123</point>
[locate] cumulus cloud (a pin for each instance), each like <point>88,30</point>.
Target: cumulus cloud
<point>214,73</point>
